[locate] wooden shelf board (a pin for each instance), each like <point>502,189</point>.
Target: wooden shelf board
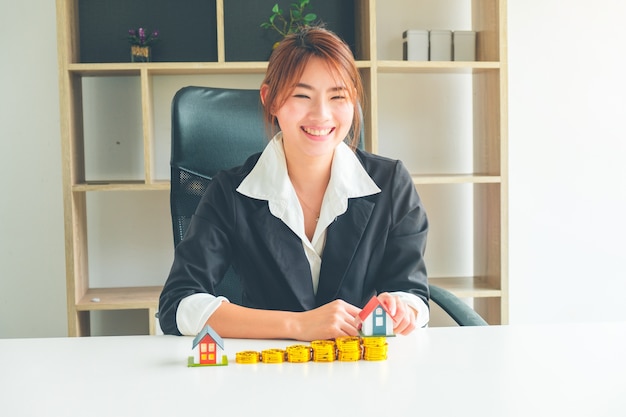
<point>259,67</point>
<point>167,68</point>
<point>435,66</point>
<point>119,69</point>
<point>148,297</point>
<point>130,298</point>
<point>466,287</point>
<point>163,185</point>
<point>182,68</point>
<point>456,179</point>
<point>176,68</point>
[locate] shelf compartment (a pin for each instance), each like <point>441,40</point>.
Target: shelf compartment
<point>482,16</point>
<point>427,120</point>
<point>134,247</point>
<point>187,29</point>
<point>113,131</point>
<point>442,122</point>
<point>245,40</point>
<point>118,299</point>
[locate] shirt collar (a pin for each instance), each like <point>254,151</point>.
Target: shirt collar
<point>269,179</point>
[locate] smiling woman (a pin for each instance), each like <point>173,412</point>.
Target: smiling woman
<point>313,119</point>
<point>313,226</point>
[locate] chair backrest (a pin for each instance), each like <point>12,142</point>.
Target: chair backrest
<point>212,129</point>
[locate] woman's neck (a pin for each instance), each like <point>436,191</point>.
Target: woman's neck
<point>310,181</point>
<point>309,177</point>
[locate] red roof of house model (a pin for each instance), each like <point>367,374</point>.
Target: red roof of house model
<point>370,306</point>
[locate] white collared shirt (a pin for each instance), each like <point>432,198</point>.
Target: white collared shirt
<point>269,180</point>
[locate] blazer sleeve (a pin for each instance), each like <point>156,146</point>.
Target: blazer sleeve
<point>202,257</point>
<point>402,266</point>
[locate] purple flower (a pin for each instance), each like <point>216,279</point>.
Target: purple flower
<point>140,36</point>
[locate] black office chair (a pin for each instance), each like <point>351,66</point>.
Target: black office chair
<point>215,129</point>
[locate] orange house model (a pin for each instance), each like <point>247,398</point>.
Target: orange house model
<point>208,348</point>
<point>376,319</point>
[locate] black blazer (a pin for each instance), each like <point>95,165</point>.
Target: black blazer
<point>377,245</point>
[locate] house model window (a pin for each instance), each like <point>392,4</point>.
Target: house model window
<point>379,316</point>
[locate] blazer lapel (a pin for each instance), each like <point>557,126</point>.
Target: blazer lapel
<point>286,249</point>
<point>342,239</point>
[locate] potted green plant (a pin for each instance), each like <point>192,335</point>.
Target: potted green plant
<point>285,24</point>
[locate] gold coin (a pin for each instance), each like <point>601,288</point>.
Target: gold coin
<point>248,356</point>
<point>273,356</point>
<point>375,353</point>
<point>374,341</point>
<point>298,353</point>
<point>323,350</point>
<point>348,356</point>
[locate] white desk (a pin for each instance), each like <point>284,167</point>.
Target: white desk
<point>556,370</point>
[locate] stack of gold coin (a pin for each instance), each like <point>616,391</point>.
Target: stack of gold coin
<point>273,356</point>
<point>298,353</point>
<point>348,348</point>
<point>247,356</point>
<point>374,348</point>
<point>323,350</point>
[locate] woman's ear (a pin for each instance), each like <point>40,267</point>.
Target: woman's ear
<point>263,93</point>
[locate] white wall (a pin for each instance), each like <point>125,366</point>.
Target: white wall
<point>567,106</point>
<point>567,181</point>
<point>32,260</point>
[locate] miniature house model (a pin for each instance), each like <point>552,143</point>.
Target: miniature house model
<point>208,348</point>
<point>376,319</point>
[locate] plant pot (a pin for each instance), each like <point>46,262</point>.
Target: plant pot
<point>140,53</point>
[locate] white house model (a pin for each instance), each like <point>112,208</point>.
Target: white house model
<point>376,319</point>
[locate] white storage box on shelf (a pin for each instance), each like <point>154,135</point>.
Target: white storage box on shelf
<point>441,45</point>
<point>464,45</point>
<point>415,45</point>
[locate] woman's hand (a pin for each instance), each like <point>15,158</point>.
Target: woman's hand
<point>335,319</point>
<point>403,316</point>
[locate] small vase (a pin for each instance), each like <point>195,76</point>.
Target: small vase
<point>140,53</point>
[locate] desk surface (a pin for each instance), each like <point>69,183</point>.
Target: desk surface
<point>566,370</point>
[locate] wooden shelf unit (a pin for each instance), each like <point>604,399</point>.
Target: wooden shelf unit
<point>488,287</point>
